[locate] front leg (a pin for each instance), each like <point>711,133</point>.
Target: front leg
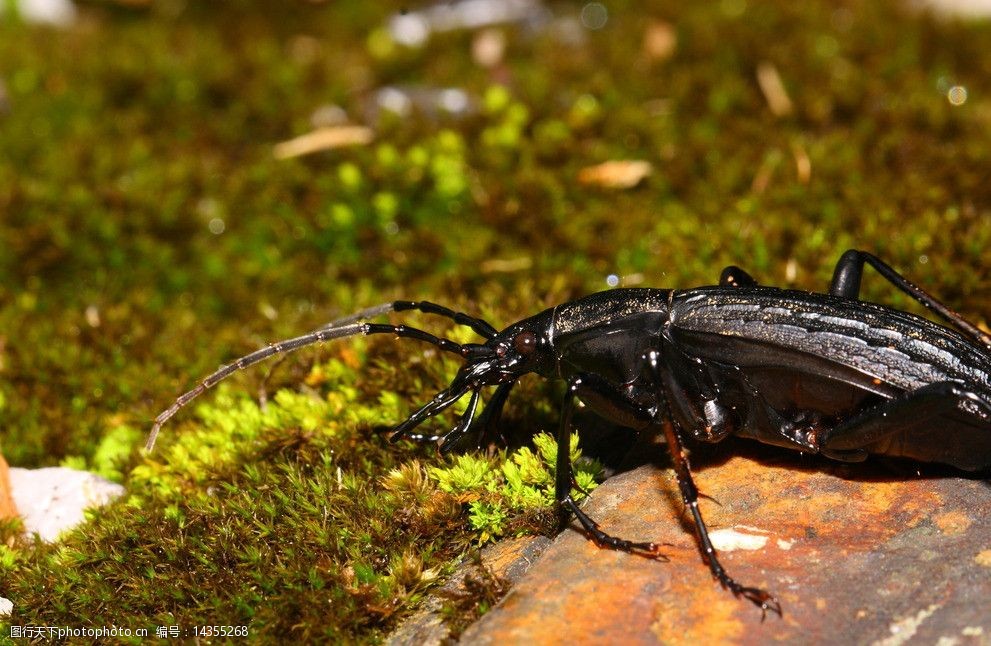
<point>605,398</point>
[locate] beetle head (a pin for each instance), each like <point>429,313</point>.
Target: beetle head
<point>522,348</point>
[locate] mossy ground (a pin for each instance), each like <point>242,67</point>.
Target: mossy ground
<point>148,234</point>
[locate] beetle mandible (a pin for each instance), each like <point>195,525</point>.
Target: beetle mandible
<point>816,372</point>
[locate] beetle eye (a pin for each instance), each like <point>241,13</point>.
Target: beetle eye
<point>525,342</point>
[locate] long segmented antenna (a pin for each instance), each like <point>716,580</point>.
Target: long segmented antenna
<point>481,327</point>
<point>366,314</point>
<point>341,328</point>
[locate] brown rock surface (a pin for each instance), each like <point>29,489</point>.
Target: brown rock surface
<point>508,560</point>
<point>854,553</point>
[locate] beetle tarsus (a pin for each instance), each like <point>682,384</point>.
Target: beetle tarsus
<point>760,598</point>
<point>602,539</point>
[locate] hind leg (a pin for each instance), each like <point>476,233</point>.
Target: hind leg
<point>941,422</point>
<point>850,271</point>
<point>733,276</point>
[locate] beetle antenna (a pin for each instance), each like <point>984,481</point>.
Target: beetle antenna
<point>480,326</point>
<point>347,329</point>
<point>366,314</point>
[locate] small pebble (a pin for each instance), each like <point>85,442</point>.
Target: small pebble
<point>52,500</point>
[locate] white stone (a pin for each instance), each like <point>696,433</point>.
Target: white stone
<point>968,9</point>
<point>6,607</point>
<point>60,13</point>
<point>732,538</point>
<point>52,500</point>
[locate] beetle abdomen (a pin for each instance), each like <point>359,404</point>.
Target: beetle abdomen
<point>901,350</point>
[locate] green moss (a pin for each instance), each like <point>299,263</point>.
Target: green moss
<point>277,518</point>
<point>148,234</point>
<point>498,486</point>
<point>113,451</point>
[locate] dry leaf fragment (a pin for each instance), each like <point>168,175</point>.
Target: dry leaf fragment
<point>323,139</point>
<point>659,40</point>
<point>506,265</point>
<point>803,164</point>
<point>488,47</point>
<point>774,89</point>
<point>616,174</point>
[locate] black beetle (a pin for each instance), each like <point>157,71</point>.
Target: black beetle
<point>818,373</point>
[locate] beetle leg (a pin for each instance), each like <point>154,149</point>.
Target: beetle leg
<point>488,421</point>
<point>850,270</point>
<point>796,430</point>
<point>905,426</point>
<point>735,277</point>
<point>451,437</point>
<point>847,275</point>
<point>690,497</point>
<point>693,394</point>
<point>602,396</point>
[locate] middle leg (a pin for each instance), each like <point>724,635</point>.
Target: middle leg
<point>690,496</point>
